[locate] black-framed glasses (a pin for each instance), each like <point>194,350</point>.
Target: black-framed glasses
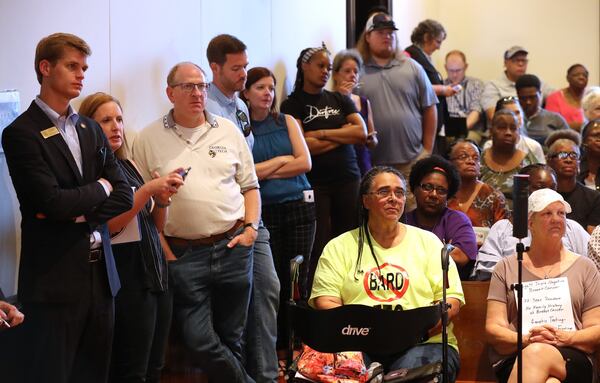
<point>430,188</point>
<point>564,155</point>
<point>189,87</point>
<point>386,193</point>
<point>244,121</point>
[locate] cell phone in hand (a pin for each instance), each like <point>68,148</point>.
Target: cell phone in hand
<point>4,323</point>
<point>184,172</point>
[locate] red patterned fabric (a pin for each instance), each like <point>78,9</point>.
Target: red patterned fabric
<point>341,367</point>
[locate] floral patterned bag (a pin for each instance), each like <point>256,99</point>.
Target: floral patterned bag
<point>339,367</point>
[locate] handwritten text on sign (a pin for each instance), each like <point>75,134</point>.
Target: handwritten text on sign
<point>547,301</point>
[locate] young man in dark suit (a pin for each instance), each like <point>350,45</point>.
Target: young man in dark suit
<point>68,185</point>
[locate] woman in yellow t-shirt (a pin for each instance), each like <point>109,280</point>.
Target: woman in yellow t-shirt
<point>387,264</point>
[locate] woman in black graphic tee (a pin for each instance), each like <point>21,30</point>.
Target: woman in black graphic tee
<point>331,127</point>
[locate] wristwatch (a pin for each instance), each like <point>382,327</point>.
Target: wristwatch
<point>252,225</point>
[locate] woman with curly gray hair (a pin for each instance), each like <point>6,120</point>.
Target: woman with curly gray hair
<point>426,38</point>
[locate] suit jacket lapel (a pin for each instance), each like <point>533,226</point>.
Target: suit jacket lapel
<point>89,152</point>
<point>43,123</point>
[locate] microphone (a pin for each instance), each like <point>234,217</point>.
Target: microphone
<point>446,250</point>
<point>295,276</point>
<point>520,196</point>
<point>297,259</point>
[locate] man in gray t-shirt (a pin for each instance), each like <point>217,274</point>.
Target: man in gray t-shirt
<point>538,122</point>
<point>402,98</point>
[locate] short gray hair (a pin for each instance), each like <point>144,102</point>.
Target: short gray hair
<point>590,100</point>
<point>561,137</point>
<point>347,54</point>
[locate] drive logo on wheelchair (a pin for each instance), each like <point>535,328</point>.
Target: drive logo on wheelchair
<point>356,331</point>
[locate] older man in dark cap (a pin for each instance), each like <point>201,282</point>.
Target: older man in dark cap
<point>515,65</point>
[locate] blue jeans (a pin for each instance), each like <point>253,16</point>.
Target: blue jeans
<point>261,332</point>
<point>212,286</point>
<point>420,355</point>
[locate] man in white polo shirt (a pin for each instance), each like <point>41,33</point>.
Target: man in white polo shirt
<point>212,225</point>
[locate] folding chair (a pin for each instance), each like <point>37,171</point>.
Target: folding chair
<point>356,327</point>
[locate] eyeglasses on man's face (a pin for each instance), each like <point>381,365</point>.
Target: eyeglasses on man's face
<point>243,119</point>
<point>565,155</point>
<point>387,192</point>
<point>189,87</point>
<point>519,60</point>
<point>429,188</point>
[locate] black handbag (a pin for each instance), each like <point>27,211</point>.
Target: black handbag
<point>429,373</point>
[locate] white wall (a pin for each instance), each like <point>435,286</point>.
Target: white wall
<point>134,45</point>
<point>556,33</point>
<point>135,42</point>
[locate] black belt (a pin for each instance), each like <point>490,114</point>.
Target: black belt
<point>95,255</point>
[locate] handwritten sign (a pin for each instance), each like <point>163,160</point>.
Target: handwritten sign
<point>547,301</point>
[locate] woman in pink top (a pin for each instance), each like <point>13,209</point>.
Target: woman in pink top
<point>567,101</point>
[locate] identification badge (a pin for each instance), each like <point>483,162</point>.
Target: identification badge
<point>309,196</point>
<point>47,133</point>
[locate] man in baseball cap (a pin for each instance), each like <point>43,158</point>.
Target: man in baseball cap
<point>515,65</point>
<point>401,95</point>
<point>514,50</point>
<point>379,21</point>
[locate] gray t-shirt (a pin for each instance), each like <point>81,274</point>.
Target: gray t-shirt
<point>494,90</point>
<point>584,285</point>
<point>398,92</point>
<point>544,122</point>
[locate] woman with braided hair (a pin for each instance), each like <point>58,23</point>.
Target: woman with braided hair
<point>331,126</point>
<point>389,265</point>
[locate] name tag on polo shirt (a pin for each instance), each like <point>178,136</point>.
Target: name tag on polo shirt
<point>47,133</point>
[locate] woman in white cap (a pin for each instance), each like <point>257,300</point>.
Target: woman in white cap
<point>550,354</point>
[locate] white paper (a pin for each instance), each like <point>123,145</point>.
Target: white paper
<point>130,233</point>
<point>547,301</point>
<point>9,109</point>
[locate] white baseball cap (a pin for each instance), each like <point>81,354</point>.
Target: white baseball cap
<point>540,199</point>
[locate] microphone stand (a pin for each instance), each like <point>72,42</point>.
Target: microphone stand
<point>518,289</point>
<point>446,250</point>
<point>520,201</point>
<point>294,280</point>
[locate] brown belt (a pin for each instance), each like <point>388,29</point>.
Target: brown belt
<point>181,242</point>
